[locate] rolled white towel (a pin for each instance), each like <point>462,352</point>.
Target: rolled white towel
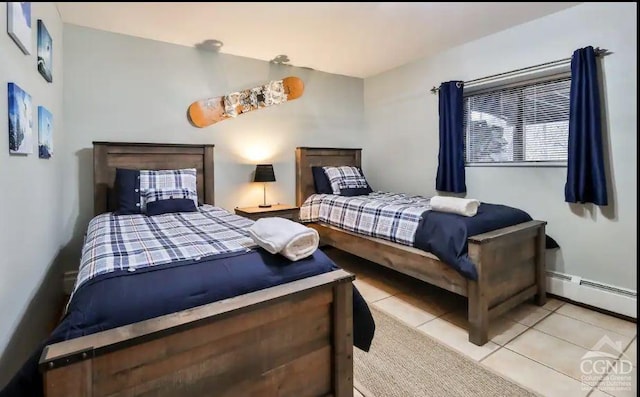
<point>283,236</point>
<point>455,205</point>
<point>302,246</point>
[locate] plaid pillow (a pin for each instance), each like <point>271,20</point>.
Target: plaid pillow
<point>345,177</point>
<point>164,184</point>
<point>167,194</point>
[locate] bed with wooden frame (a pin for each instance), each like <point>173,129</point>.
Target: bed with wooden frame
<point>219,346</point>
<point>510,261</point>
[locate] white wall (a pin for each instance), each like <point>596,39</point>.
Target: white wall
<point>30,201</point>
<point>121,88</point>
<point>401,144</point>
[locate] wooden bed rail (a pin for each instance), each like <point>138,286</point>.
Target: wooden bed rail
<point>285,340</point>
<point>408,260</point>
<point>515,231</point>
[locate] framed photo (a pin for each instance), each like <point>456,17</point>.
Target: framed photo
<point>45,133</point>
<point>19,24</point>
<point>45,52</point>
<point>20,121</point>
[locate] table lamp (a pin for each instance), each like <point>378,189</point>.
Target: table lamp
<point>264,173</point>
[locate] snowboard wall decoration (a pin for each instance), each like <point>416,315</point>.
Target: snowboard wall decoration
<point>206,112</point>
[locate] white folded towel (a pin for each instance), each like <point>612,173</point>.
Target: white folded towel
<point>455,205</point>
<point>283,236</point>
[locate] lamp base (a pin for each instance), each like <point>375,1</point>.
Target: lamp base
<point>264,206</point>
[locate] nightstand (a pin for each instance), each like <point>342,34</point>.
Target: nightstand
<point>278,210</point>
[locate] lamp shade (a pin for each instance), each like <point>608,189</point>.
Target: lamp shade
<point>264,173</point>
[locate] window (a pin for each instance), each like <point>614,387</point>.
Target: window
<point>525,124</point>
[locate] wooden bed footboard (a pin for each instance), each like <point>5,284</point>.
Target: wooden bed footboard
<point>510,264</point>
<point>294,339</point>
<point>511,269</point>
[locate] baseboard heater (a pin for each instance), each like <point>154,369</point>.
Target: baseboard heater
<point>604,296</point>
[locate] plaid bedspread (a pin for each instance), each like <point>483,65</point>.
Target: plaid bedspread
<point>133,242</point>
<point>390,216</point>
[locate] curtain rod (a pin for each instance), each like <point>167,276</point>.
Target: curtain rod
<point>600,52</point>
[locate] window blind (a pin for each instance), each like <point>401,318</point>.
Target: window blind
<point>523,124</point>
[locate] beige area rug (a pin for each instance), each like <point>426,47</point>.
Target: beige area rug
<point>404,362</point>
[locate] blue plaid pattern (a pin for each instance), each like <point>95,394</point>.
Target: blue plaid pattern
<point>133,242</point>
<point>166,194</point>
<point>390,216</point>
<point>345,177</point>
<point>153,184</point>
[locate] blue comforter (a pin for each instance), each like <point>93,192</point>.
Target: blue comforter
<point>445,234</point>
<point>119,298</point>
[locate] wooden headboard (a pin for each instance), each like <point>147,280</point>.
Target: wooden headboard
<point>107,156</point>
<point>307,157</point>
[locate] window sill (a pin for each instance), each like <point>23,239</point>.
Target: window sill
<point>531,164</point>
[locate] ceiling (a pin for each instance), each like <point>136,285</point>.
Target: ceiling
<point>352,39</point>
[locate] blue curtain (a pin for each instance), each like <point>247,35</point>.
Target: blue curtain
<point>450,177</point>
<point>586,181</point>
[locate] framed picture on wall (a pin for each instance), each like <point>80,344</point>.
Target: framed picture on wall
<point>20,121</point>
<point>45,52</point>
<point>19,24</point>
<point>45,133</point>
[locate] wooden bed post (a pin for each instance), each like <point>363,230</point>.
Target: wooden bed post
<point>478,315</point>
<point>541,268</point>
<point>343,342</point>
<point>207,170</point>
<point>72,380</point>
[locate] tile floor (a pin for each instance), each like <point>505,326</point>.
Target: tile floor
<point>541,348</point>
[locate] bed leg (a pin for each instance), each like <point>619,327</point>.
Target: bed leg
<point>343,340</point>
<point>541,269</point>
<point>478,315</point>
